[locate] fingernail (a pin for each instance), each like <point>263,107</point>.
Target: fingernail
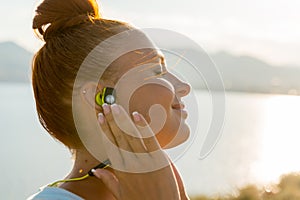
<point>99,172</point>
<point>101,118</point>
<point>105,108</point>
<point>115,108</point>
<point>93,172</point>
<point>136,116</point>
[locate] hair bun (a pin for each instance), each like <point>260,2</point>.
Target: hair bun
<point>56,15</point>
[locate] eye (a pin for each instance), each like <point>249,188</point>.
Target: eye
<point>160,72</point>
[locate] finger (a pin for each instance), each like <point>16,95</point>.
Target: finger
<point>109,180</point>
<point>125,131</point>
<point>109,141</point>
<point>105,128</point>
<point>148,135</point>
<point>131,133</point>
<point>116,132</point>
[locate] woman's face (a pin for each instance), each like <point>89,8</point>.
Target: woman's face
<point>156,94</point>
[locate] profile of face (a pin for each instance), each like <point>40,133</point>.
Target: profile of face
<point>156,93</point>
<point>142,83</point>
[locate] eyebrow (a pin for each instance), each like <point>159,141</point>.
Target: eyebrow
<point>154,76</point>
<point>161,58</point>
<point>156,52</point>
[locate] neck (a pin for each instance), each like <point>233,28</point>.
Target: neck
<point>91,187</point>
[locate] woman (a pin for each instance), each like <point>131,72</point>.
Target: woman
<point>103,90</point>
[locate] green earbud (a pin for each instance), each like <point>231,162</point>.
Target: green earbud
<point>107,96</point>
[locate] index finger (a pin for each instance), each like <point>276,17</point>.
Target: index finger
<point>124,130</point>
<point>148,135</point>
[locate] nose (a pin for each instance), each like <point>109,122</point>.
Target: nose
<point>181,88</point>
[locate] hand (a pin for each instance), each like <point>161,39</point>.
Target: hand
<point>141,169</point>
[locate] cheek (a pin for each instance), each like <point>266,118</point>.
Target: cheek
<point>147,95</point>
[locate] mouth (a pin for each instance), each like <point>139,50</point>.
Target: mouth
<point>178,106</point>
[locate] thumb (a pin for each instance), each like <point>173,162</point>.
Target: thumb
<point>109,180</point>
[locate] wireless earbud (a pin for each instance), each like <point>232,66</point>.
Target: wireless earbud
<point>107,96</point>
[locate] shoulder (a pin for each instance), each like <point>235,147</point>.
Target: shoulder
<point>54,193</point>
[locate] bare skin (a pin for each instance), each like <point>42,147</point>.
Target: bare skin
<point>161,182</point>
<point>164,183</point>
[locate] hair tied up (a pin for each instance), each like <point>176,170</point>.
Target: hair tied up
<point>54,16</point>
<point>61,25</point>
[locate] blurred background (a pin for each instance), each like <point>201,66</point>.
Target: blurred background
<point>254,44</point>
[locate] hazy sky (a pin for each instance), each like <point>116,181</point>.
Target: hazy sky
<point>267,29</point>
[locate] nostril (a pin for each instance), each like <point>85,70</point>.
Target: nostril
<point>183,90</point>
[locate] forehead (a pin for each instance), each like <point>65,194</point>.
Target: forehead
<point>141,56</point>
<point>131,60</point>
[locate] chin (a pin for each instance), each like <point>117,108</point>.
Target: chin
<point>182,136</point>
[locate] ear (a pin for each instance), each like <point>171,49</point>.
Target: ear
<point>88,93</point>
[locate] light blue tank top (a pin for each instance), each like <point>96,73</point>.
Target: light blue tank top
<point>54,193</point>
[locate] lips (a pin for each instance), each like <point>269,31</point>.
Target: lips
<point>178,106</point>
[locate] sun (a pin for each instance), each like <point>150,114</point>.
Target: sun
<point>280,138</point>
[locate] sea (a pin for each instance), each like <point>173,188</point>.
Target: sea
<point>258,142</point>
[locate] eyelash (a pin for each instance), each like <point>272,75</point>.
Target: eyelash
<point>160,73</point>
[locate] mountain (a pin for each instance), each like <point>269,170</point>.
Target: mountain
<point>244,73</point>
<point>239,73</point>
<point>15,63</point>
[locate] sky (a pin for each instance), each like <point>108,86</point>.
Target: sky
<point>266,29</point>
